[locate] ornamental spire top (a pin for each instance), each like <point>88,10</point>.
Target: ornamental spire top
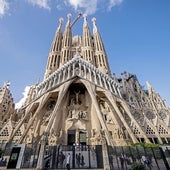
<point>85,20</point>
<point>60,24</point>
<point>69,19</point>
<point>94,25</point>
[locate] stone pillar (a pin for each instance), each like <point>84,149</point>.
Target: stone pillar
<point>106,164</point>
<point>41,153</point>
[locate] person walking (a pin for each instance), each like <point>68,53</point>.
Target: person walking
<point>144,160</point>
<point>122,159</point>
<point>82,161</point>
<point>68,161</point>
<point>78,156</point>
<point>61,159</point>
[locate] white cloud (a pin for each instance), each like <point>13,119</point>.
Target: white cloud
<point>21,102</point>
<point>4,6</point>
<point>41,3</point>
<point>112,3</point>
<point>90,7</point>
<point>84,6</point>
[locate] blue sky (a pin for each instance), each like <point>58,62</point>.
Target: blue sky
<point>136,34</point>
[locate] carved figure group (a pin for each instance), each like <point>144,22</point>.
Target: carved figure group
<point>77,114</point>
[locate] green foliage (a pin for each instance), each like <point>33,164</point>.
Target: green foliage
<point>137,166</point>
<point>146,145</point>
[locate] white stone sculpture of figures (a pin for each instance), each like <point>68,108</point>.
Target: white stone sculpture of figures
<point>77,96</point>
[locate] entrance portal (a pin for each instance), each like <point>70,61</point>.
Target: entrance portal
<point>71,137</point>
<point>82,137</point>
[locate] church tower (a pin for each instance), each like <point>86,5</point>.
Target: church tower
<point>81,102</point>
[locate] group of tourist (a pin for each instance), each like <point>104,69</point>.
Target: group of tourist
<point>146,161</point>
<point>80,160</point>
<point>65,160</point>
<point>62,158</point>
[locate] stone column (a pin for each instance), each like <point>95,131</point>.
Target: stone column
<point>41,153</point>
<point>112,100</point>
<point>105,154</point>
<point>99,114</point>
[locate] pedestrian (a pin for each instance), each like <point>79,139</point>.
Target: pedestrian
<point>78,159</point>
<point>149,159</point>
<point>122,161</point>
<point>61,159</point>
<point>111,161</point>
<point>82,160</point>
<point>68,161</point>
<point>144,160</point>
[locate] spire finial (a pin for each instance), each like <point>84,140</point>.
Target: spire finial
<point>61,20</point>
<point>85,20</point>
<point>69,19</point>
<point>94,25</point>
<point>60,23</point>
<point>6,84</point>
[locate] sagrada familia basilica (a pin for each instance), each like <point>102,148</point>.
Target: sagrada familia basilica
<point>80,101</point>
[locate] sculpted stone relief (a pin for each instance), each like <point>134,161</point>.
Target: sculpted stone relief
<point>162,115</point>
<point>139,117</point>
<point>118,132</point>
<point>96,136</point>
<point>106,111</point>
<point>52,139</point>
<point>150,115</point>
<point>50,105</point>
<point>77,114</point>
<point>76,109</point>
<point>55,137</point>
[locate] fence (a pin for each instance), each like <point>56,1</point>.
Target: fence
<point>83,157</point>
<point>152,158</point>
<point>90,157</point>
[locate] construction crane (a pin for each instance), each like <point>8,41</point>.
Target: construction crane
<point>78,16</point>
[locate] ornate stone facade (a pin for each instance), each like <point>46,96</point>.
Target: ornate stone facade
<point>80,101</point>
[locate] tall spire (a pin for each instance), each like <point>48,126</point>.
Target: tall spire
<point>87,44</point>
<point>54,56</point>
<point>100,54</point>
<point>67,42</point>
<point>149,87</point>
<point>56,45</point>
